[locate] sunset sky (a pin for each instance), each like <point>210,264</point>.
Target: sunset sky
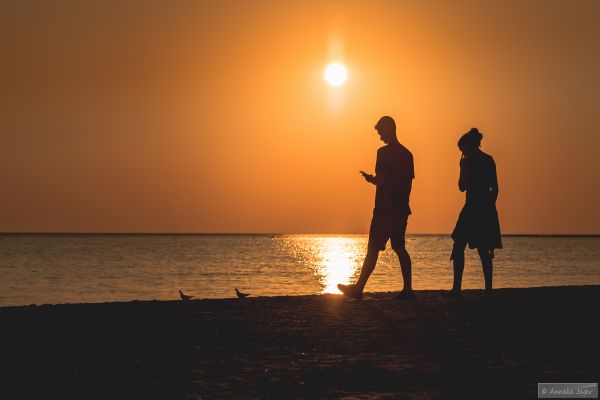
<point>198,116</point>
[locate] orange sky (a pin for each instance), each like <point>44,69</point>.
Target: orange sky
<point>214,116</point>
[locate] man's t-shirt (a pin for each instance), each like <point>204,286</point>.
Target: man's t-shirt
<point>395,164</point>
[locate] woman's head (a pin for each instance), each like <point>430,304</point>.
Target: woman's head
<point>470,141</point>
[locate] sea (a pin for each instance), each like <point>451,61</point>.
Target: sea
<point>89,268</point>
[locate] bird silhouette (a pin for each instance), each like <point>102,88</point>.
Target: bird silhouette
<point>240,294</point>
<point>185,297</point>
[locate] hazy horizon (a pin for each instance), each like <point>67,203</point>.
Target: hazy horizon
<point>282,233</point>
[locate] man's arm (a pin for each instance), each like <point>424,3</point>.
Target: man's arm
<point>376,180</point>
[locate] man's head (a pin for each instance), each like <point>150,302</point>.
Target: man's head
<point>386,127</point>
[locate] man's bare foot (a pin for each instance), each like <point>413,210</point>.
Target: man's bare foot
<point>406,295</point>
<point>350,291</point>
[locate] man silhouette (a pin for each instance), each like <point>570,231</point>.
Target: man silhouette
<point>394,172</point>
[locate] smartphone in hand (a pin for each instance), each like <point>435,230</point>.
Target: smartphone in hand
<point>368,177</point>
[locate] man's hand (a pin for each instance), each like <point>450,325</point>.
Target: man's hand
<point>368,177</point>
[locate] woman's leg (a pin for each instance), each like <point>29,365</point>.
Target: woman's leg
<point>458,262</point>
<point>488,268</point>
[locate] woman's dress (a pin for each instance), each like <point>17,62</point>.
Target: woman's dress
<point>478,223</point>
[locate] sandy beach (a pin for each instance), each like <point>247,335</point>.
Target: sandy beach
<point>303,347</point>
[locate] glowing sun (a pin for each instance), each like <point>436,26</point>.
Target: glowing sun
<point>336,74</point>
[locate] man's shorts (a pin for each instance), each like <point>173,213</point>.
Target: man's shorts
<point>387,226</point>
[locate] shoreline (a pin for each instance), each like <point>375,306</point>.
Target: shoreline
<point>371,295</point>
<point>312,346</point>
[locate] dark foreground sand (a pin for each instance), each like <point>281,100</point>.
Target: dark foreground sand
<point>304,347</point>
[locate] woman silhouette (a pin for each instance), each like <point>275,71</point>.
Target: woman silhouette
<point>477,223</point>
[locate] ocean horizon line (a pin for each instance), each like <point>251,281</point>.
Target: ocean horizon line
<point>53,233</point>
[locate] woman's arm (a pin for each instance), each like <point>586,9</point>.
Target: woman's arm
<point>462,179</point>
<point>494,182</point>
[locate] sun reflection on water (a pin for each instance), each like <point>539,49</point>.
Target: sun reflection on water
<point>332,259</point>
<point>335,263</point>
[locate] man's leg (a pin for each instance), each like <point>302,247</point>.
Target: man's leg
<point>488,268</point>
<point>398,244</point>
<point>406,266</point>
<point>355,291</point>
<point>377,241</point>
<point>367,268</point>
<point>458,262</point>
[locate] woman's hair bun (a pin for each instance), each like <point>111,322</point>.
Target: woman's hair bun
<point>475,133</point>
<point>472,138</point>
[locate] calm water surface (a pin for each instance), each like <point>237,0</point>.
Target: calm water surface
<point>37,269</point>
